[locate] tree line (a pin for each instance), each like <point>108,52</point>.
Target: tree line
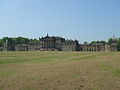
<point>23,40</point>
<point>17,40</point>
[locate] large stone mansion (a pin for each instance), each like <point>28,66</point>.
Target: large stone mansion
<point>52,43</point>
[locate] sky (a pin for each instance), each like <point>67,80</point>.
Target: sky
<point>84,20</point>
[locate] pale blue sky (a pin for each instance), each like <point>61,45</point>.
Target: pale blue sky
<point>85,20</point>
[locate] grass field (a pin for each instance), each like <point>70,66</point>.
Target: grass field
<point>59,70</point>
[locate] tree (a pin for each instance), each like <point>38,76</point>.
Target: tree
<point>33,40</point>
<point>110,40</point>
<point>16,40</point>
<point>20,40</point>
<point>85,42</point>
<point>3,40</point>
<point>118,44</point>
<point>95,42</point>
<point>1,43</point>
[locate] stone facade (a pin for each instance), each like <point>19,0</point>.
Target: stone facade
<point>8,46</point>
<point>51,43</point>
<point>95,47</point>
<point>21,47</point>
<point>1,48</point>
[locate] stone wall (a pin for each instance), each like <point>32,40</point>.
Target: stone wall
<point>93,47</point>
<point>69,46</point>
<point>1,48</point>
<point>21,47</point>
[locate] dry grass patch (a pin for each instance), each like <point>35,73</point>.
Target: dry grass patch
<point>59,71</point>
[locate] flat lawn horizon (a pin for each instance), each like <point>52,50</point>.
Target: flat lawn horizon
<point>45,70</point>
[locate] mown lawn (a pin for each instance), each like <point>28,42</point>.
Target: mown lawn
<point>59,70</point>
